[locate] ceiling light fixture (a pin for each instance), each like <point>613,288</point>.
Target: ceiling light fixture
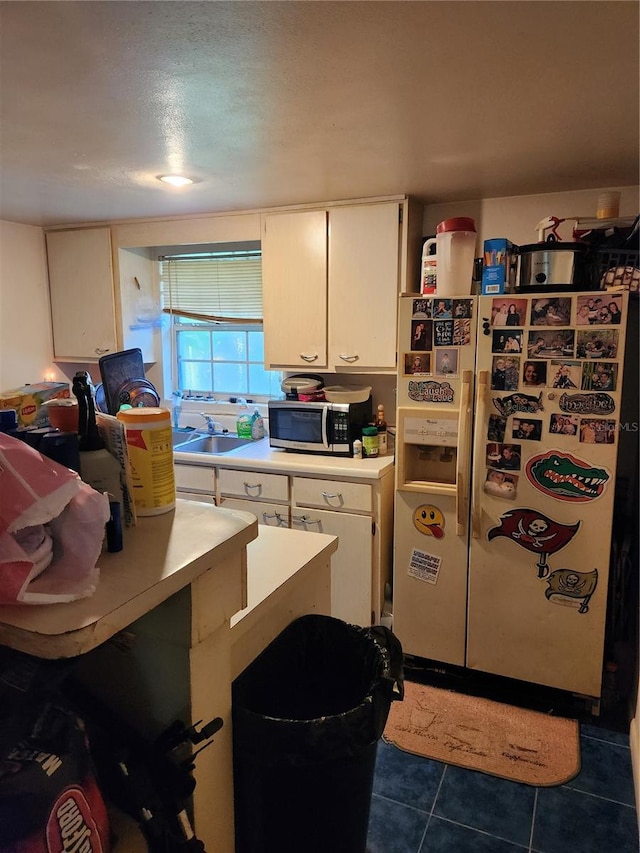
<point>175,180</point>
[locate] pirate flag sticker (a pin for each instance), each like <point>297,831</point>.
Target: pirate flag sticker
<point>541,535</point>
<point>566,586</point>
<point>535,532</point>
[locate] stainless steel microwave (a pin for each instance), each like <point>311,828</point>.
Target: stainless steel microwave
<point>322,427</point>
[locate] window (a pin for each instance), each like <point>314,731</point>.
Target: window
<point>214,300</point>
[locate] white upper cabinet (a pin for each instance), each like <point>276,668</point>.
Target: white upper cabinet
<point>81,288</point>
<point>364,246</point>
<point>331,280</point>
<point>294,288</point>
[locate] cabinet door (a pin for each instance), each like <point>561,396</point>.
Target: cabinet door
<point>294,288</point>
<point>271,515</point>
<point>364,258</point>
<point>81,290</point>
<point>351,565</point>
<point>194,478</point>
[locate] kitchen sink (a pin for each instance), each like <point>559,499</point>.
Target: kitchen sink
<point>210,444</point>
<point>184,434</point>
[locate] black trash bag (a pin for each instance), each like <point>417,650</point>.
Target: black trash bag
<point>307,717</point>
<point>49,796</point>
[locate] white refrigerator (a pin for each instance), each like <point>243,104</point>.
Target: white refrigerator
<point>508,424</point>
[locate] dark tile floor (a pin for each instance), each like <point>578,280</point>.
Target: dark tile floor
<point>424,806</point>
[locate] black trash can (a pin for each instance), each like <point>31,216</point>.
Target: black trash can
<point>307,717</point>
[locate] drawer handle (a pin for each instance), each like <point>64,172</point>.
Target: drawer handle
<point>100,351</point>
<point>276,515</point>
<point>349,358</point>
<point>328,496</point>
<point>309,357</point>
<point>305,520</point>
<point>252,486</point>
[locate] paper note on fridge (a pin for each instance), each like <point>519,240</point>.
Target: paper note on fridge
<point>425,567</point>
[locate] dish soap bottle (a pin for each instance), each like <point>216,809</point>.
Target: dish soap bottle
<point>243,423</point>
<point>382,431</point>
<point>257,425</point>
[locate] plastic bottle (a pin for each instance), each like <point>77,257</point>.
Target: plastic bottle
<point>428,268</point>
<point>150,446</point>
<point>257,425</point>
<point>243,422</point>
<point>370,441</point>
<point>357,449</point>
<point>98,467</point>
<point>455,251</point>
<point>381,426</point>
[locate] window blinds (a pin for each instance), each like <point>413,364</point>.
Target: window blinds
<point>221,287</point>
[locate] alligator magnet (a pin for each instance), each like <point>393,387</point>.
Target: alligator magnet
<point>566,478</point>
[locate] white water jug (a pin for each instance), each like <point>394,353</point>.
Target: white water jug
<point>455,252</point>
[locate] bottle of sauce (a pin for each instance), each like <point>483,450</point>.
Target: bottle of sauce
<point>381,424</point>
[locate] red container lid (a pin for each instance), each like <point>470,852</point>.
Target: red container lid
<point>458,223</point>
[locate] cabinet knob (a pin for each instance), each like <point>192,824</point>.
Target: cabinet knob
<point>349,358</point>
<point>309,357</point>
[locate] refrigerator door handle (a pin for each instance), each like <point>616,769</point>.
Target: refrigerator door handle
<point>481,419</point>
<point>464,453</point>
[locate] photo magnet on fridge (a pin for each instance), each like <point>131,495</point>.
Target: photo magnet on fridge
<point>421,309</point>
<point>446,362</point>
<point>443,333</point>
<point>561,424</point>
<point>416,363</point>
<point>596,311</point>
<point>599,376</point>
<point>597,431</point>
<point>554,311</point>
<point>421,335</point>
<point>564,374</point>
<point>501,484</point>
<point>600,343</point>
<point>461,333</point>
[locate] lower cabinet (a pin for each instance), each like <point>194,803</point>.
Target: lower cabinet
<point>360,514</point>
<point>351,565</point>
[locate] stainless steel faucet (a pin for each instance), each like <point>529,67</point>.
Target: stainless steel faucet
<point>213,426</point>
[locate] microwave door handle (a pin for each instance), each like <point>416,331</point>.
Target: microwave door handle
<point>325,418</point>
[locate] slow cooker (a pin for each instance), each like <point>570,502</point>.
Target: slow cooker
<point>554,265</point>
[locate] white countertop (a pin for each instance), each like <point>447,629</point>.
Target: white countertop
<point>275,557</point>
<point>161,555</point>
<point>259,456</point>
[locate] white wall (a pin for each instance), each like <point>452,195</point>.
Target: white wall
<point>26,348</point>
<point>516,217</point>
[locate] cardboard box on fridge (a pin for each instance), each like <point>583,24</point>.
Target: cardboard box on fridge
<point>499,268</point>
<point>28,401</point>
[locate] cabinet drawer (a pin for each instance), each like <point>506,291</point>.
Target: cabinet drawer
<point>253,485</point>
<point>331,494</point>
<point>194,478</point>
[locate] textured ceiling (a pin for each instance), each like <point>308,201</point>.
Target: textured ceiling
<point>273,103</point>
